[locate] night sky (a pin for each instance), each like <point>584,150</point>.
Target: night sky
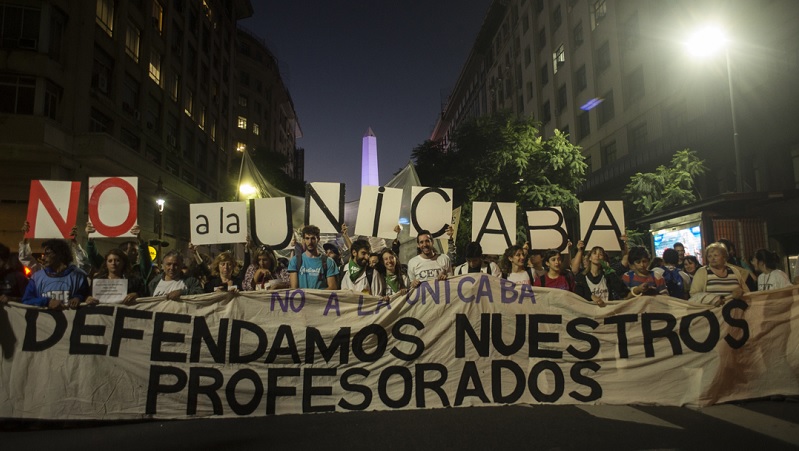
<point>350,65</point>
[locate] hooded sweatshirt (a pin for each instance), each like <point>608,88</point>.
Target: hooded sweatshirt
<point>46,284</point>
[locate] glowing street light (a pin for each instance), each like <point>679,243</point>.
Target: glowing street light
<point>705,43</point>
<point>160,201</point>
<point>247,189</point>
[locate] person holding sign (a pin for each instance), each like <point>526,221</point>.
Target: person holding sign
<point>224,276</point>
<point>309,269</point>
<point>124,287</point>
<point>137,253</point>
<point>475,262</point>
<point>556,277</point>
<point>171,282</point>
<point>358,275</point>
<point>397,281</point>
<point>264,273</point>
<point>516,269</point>
<point>428,265</point>
<point>599,283</point>
<point>60,284</point>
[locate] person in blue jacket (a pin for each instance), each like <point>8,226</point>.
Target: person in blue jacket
<point>60,284</point>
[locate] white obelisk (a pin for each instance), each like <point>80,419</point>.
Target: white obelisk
<point>369,160</point>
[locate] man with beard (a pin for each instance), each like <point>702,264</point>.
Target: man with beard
<point>428,265</point>
<point>358,275</point>
<point>309,268</point>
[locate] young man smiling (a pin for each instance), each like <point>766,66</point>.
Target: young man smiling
<point>428,265</point>
<point>359,276</point>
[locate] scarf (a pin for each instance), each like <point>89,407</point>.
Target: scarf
<point>393,282</point>
<point>353,268</point>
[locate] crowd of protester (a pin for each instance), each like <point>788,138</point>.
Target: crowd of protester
<point>63,276</point>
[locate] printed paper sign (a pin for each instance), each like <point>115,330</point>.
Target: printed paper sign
<point>602,223</point>
<point>113,203</point>
<point>324,206</point>
<point>52,208</point>
<point>217,223</point>
<point>494,226</point>
<point>110,291</point>
<point>378,211</point>
<point>431,209</point>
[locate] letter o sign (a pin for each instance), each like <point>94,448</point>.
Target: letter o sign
<point>94,207</point>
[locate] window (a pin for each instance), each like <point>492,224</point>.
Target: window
<point>556,18</point>
<point>529,90</point>
<point>527,56</point>
<point>546,113</point>
<point>242,100</point>
<point>17,94</point>
<point>606,111</point>
<point>52,97</point>
<point>155,66</point>
<point>244,78</point>
<point>130,139</point>
<point>542,38</point>
<point>174,85</point>
<point>130,95</point>
<point>242,122</point>
<point>634,86</point>
<point>241,147</point>
<point>158,17</point>
<point>188,107</point>
<point>102,67</point>
<point>607,153</point>
<point>589,163</point>
<point>20,29</point>
<point>577,35</point>
<point>201,118</point>
<point>580,80</point>
<point>105,16</point>
<point>558,58</point>
<point>562,100</point>
<point>525,23</point>
<point>58,22</point>
<point>598,11</point>
<point>132,39</point>
<point>100,123</point>
<point>583,125</point>
<point>638,137</point>
<point>256,130</point>
<point>603,57</point>
<point>544,75</point>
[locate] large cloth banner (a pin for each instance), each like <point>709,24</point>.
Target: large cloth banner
<point>472,340</point>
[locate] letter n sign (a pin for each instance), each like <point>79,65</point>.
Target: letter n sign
<point>52,208</point>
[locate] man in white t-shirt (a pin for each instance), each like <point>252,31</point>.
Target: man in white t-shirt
<point>428,265</point>
<point>358,276</point>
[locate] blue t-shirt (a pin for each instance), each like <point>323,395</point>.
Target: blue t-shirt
<point>308,276</point>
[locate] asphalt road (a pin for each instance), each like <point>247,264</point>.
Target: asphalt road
<point>765,425</point>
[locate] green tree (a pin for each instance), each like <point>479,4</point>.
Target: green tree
<point>270,163</point>
<point>503,158</point>
<point>669,186</point>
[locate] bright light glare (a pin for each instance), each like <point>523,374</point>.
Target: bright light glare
<point>160,202</point>
<point>706,41</point>
<point>247,189</point>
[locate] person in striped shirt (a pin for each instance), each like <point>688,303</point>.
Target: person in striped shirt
<point>718,278</point>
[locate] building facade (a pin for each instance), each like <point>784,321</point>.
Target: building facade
<point>553,59</point>
<point>144,88</point>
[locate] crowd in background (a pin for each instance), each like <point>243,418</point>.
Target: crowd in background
<point>63,275</point>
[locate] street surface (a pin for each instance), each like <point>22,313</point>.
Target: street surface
<point>765,425</point>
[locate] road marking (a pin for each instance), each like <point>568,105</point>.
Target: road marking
<point>755,421</point>
<point>626,413</point>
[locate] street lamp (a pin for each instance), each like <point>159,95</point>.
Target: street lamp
<point>160,200</point>
<point>707,42</point>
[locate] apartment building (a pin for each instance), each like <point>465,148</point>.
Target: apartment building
<point>616,76</point>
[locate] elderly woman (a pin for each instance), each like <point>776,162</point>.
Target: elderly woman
<point>224,276</point>
<point>171,282</point>
<point>117,266</point>
<point>265,273</point>
<point>718,278</point>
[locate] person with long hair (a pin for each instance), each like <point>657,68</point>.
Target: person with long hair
<point>265,273</point>
<point>60,284</point>
<point>770,277</point>
<point>396,278</point>
<point>556,276</point>
<point>224,274</point>
<point>690,265</point>
<point>117,266</point>
<point>599,283</point>
<point>514,266</point>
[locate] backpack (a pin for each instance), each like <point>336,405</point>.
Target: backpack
<point>298,251</point>
<point>674,282</point>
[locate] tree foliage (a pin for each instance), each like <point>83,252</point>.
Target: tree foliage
<point>669,186</point>
<point>503,158</point>
<point>270,163</point>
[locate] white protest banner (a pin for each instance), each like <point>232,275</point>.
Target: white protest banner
<point>110,291</point>
<point>494,226</point>
<point>472,340</point>
<point>113,205</point>
<point>378,211</point>
<point>602,223</point>
<point>270,219</point>
<point>546,229</point>
<point>431,209</point>
<point>324,206</point>
<point>218,222</point>
<point>59,212</point>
